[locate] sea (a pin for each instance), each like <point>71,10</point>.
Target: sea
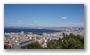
<point>35,31</point>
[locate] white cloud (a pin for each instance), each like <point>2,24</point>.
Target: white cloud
<point>8,23</point>
<point>63,17</point>
<point>19,21</point>
<point>35,21</point>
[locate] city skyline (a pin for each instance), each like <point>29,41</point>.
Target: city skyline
<point>44,15</point>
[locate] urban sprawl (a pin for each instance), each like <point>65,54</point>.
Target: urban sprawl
<point>17,40</point>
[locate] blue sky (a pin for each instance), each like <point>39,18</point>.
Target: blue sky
<point>43,15</point>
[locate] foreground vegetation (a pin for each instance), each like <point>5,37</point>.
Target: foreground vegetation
<point>67,42</point>
<point>34,45</point>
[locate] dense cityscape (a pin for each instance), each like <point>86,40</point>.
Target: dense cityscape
<point>20,40</point>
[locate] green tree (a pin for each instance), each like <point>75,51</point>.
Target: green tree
<point>63,34</point>
<point>81,38</point>
<point>34,45</point>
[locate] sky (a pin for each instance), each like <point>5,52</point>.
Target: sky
<point>43,15</point>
